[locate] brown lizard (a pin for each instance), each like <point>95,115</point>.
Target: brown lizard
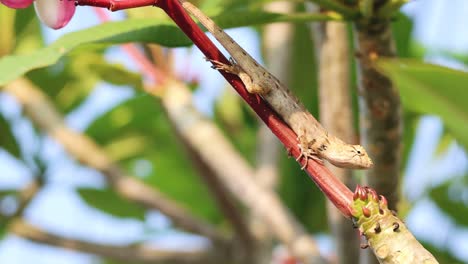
<point>314,140</point>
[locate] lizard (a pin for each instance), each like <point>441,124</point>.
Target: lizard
<point>314,141</point>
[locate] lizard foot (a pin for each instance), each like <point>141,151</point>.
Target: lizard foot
<point>307,154</point>
<point>217,65</point>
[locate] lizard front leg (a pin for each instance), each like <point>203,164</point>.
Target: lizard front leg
<point>234,68</point>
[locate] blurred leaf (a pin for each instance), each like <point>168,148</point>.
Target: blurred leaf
<point>7,34</point>
<point>449,198</point>
<point>6,192</point>
<point>302,196</point>
<point>411,122</point>
<point>28,33</point>
<point>155,154</point>
<point>238,122</point>
<point>431,89</point>
<point>3,227</point>
<point>402,29</point>
<point>7,139</point>
<point>110,202</point>
<point>442,255</point>
<point>444,143</point>
<point>303,70</point>
<point>131,30</point>
<point>116,74</point>
<point>69,81</point>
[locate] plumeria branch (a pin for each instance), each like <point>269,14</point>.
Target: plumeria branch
<point>24,198</point>
<point>139,253</point>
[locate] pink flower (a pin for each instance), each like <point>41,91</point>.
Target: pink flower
<point>55,13</point>
<point>17,3</point>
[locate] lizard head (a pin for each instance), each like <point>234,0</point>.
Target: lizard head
<point>348,156</point>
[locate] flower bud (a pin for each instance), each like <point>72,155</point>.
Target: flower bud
<point>55,13</point>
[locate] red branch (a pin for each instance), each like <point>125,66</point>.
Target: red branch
<point>115,5</point>
<point>333,188</point>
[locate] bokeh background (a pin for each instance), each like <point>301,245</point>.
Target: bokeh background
<point>436,164</point>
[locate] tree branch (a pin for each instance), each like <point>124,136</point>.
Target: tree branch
<point>380,110</point>
<point>336,116</point>
<point>133,253</point>
<point>43,114</point>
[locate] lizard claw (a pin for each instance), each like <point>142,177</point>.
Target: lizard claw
<point>303,154</point>
<point>307,154</point>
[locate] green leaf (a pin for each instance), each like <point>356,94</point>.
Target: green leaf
<point>7,34</point>
<point>431,89</point>
<point>68,82</point>
<point>238,122</point>
<point>303,70</point>
<point>28,33</point>
<point>302,196</point>
<point>7,139</point>
<point>131,30</point>
<point>110,202</point>
<point>116,74</point>
<point>402,30</point>
<point>443,254</point>
<point>449,198</point>
<point>139,133</point>
<point>411,122</point>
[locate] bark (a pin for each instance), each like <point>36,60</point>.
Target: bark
<point>380,111</point>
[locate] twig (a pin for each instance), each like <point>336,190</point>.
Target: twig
<point>43,114</point>
<point>133,253</point>
<point>24,197</point>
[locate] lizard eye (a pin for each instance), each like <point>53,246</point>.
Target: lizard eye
<point>358,152</point>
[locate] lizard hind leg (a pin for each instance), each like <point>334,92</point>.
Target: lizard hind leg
<point>233,68</point>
